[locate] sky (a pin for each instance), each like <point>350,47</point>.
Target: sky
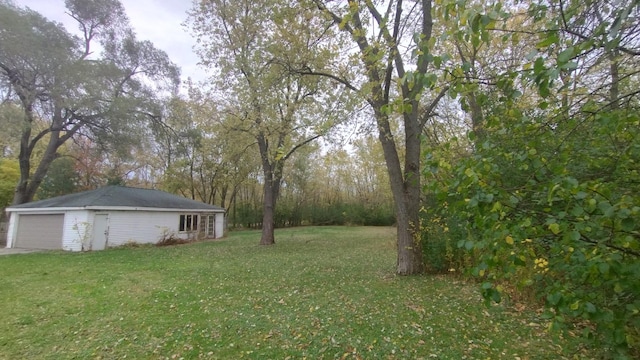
<point>159,21</point>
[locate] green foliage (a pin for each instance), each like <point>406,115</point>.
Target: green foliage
<point>247,216</point>
<point>439,241</point>
<point>548,196</point>
<point>353,213</point>
<point>290,214</point>
<point>10,122</point>
<point>114,178</point>
<point>556,209</point>
<point>61,179</point>
<point>9,176</point>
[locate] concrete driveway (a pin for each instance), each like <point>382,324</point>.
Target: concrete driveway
<point>6,251</point>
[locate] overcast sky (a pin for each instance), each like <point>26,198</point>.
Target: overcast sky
<point>159,21</point>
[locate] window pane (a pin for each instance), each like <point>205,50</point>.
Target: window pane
<point>188,221</point>
<point>182,223</point>
<point>195,222</point>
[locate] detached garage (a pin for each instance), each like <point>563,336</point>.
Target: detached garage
<point>111,216</point>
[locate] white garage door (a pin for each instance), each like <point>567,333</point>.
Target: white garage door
<point>40,231</point>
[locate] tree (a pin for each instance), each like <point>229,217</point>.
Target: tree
<point>381,32</point>
<point>61,179</point>
<point>255,45</point>
<point>91,162</point>
<point>201,159</point>
<point>56,78</point>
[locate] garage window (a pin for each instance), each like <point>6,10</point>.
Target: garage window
<point>188,222</point>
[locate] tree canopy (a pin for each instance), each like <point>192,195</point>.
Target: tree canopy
<point>65,90</point>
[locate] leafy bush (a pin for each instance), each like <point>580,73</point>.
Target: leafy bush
<point>556,209</point>
<point>439,245</point>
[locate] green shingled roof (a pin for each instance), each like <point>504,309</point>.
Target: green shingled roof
<point>120,196</point>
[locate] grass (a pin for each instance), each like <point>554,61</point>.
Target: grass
<point>325,292</point>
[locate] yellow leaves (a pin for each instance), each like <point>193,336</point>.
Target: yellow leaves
<point>555,228</point>
<point>444,164</point>
<point>541,265</point>
<point>509,240</point>
<point>469,172</point>
<point>464,18</point>
<point>280,154</point>
<point>617,288</point>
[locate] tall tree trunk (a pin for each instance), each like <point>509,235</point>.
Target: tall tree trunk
<point>405,183</point>
<point>268,214</point>
<point>29,183</point>
<point>20,195</point>
<point>272,177</point>
<point>405,188</point>
<point>410,259</point>
<point>614,91</point>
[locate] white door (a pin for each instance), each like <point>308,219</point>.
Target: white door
<point>210,230</point>
<point>100,232</point>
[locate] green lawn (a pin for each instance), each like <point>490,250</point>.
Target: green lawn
<point>320,292</point>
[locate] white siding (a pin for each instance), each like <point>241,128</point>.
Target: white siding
<point>11,230</point>
<point>77,230</point>
<point>142,227</point>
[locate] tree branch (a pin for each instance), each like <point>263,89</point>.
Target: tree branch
<point>301,145</point>
<point>429,110</point>
<point>309,71</point>
<point>611,246</point>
